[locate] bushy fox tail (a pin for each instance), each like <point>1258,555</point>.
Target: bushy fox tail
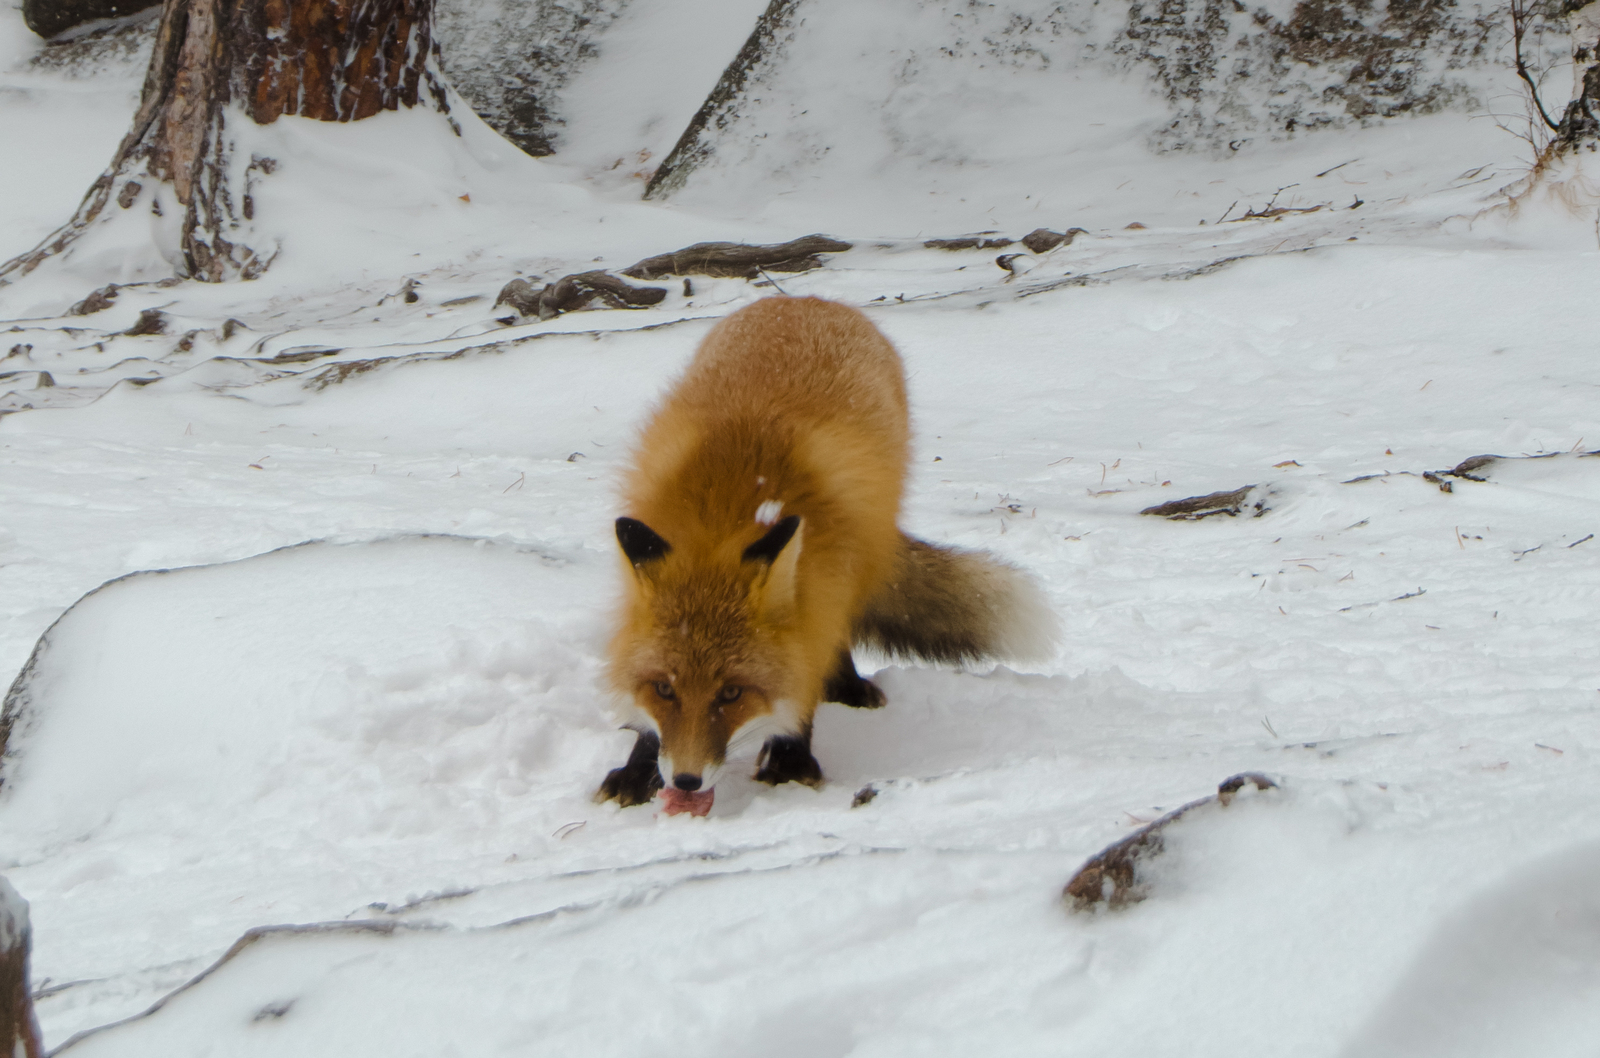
<point>943,604</point>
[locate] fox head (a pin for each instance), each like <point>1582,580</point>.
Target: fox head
<point>700,652</point>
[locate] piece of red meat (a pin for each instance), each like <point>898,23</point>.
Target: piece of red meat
<point>696,803</point>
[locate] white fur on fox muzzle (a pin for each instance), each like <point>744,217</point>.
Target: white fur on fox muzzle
<point>669,773</point>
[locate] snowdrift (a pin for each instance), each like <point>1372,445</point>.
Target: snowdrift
<point>402,735</point>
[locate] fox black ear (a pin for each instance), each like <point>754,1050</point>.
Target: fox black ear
<point>640,542</point>
<point>770,546</point>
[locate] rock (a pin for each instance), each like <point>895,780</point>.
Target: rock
<point>50,17</point>
<point>521,295</point>
<point>1016,263</point>
<point>1114,877</point>
<point>151,321</point>
<point>1041,240</point>
<point>1466,467</point>
<point>573,292</point>
<point>98,301</point>
<point>738,260</point>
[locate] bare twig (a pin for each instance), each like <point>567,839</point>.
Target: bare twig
<point>1521,14</point>
<point>774,282</point>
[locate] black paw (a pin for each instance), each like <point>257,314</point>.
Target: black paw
<point>637,781</point>
<point>628,788</point>
<point>787,758</point>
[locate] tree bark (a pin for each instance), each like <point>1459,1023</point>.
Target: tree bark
<point>19,1029</point>
<point>1580,125</point>
<point>217,62</point>
<point>694,146</point>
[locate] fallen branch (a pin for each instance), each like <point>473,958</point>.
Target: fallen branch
<point>1042,240</point>
<point>738,260</point>
<point>1472,469</point>
<point>1271,211</point>
<point>970,242</point>
<point>1197,507</point>
<point>1113,876</point>
<point>573,292</point>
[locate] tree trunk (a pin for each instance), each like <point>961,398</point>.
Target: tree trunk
<point>217,62</point>
<point>1580,125</point>
<point>19,1029</point>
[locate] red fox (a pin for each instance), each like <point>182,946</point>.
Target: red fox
<point>761,543</point>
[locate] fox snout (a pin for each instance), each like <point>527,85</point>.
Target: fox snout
<point>691,764</point>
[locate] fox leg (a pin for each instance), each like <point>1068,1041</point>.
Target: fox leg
<point>847,687</point>
<point>637,781</point>
<point>787,758</point>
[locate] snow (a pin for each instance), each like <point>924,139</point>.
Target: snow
<point>395,728</point>
<point>60,128</point>
<point>657,65</point>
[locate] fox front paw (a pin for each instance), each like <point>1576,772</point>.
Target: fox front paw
<point>628,789</point>
<point>786,758</point>
<point>637,781</point>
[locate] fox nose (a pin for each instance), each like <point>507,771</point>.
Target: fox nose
<point>684,781</point>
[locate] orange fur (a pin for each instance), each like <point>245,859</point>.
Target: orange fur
<point>792,401</point>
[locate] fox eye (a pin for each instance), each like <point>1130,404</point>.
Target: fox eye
<point>664,689</point>
<point>729,693</point>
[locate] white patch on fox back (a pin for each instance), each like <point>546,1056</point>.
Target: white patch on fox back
<point>767,513</point>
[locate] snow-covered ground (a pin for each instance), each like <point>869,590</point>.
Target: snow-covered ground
<point>394,732</point>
